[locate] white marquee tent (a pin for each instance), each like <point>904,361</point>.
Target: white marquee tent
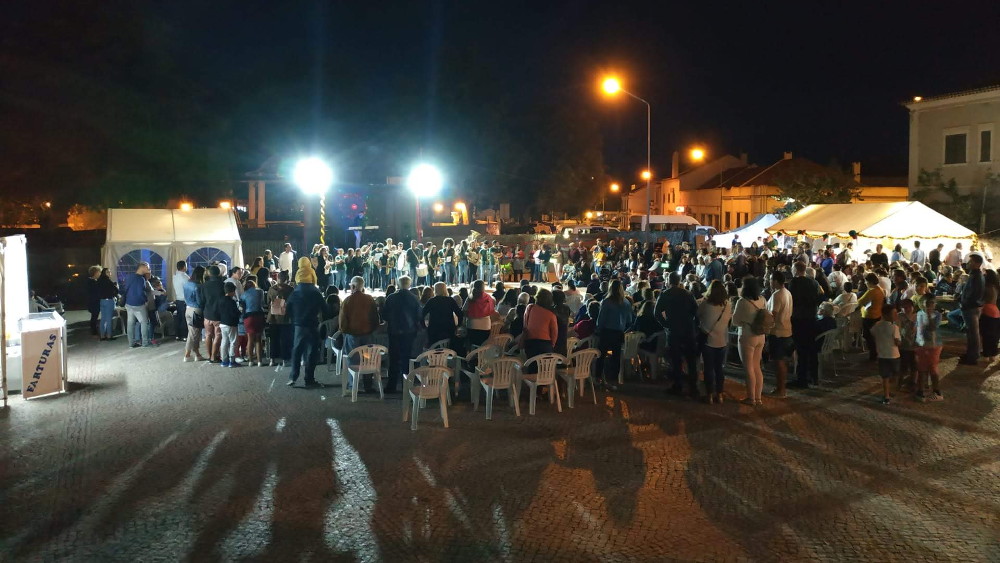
<point>896,221</point>
<point>164,236</point>
<point>748,233</point>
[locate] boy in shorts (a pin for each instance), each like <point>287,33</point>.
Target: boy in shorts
<point>885,333</point>
<point>928,350</point>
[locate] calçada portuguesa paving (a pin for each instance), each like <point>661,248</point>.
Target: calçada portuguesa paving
<point>152,459</point>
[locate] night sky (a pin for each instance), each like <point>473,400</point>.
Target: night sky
<point>824,80</point>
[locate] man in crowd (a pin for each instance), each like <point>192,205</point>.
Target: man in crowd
<point>413,259</point>
<point>805,302</point>
<point>286,260</point>
<point>918,256</point>
<point>304,307</point>
<point>236,278</point>
<point>878,259</point>
<point>402,314</point>
<point>358,319</point>
<point>215,291</point>
<point>715,270</point>
<point>954,258</point>
<point>780,342</point>
<point>934,257</point>
<point>177,288</point>
<point>137,292</point>
<point>971,302</point>
<point>677,311</point>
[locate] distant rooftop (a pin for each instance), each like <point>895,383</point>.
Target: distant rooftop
<point>958,94</point>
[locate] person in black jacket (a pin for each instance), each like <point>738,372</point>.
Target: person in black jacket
<point>214,292</point>
<point>107,294</point>
<point>440,309</point>
<point>402,313</point>
<point>677,311</point>
<point>806,297</point>
<point>304,308</point>
<point>93,298</point>
<point>229,321</point>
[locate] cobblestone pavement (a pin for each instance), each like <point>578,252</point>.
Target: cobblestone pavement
<point>152,459</point>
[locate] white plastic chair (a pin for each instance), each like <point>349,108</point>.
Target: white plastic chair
<point>440,344</point>
<point>496,328</point>
<point>546,376</point>
<point>571,342</point>
<point>436,358</point>
<point>421,384</point>
<point>583,343</point>
<point>652,358</point>
<point>629,353</point>
<point>337,354</point>
<point>503,376</point>
<point>501,340</point>
<point>369,363</point>
<point>326,327</point>
<point>484,356</point>
<point>831,344</point>
<point>381,335</point>
<point>581,366</point>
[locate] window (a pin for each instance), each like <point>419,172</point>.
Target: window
<point>954,148</point>
<point>727,221</point>
<point>746,218</point>
<point>985,145</point>
<point>738,217</point>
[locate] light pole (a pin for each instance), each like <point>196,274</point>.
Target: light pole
<point>424,181</point>
<point>612,86</point>
<point>314,177</point>
<point>614,189</point>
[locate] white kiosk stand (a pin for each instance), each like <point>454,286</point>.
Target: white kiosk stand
<point>13,306</point>
<point>43,354</point>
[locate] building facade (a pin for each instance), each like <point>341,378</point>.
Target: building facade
<point>955,133</point>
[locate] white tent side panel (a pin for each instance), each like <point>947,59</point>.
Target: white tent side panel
<point>140,225</point>
<point>897,220</point>
<point>204,225</point>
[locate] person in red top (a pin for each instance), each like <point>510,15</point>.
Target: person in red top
<point>479,310</point>
<point>541,329</point>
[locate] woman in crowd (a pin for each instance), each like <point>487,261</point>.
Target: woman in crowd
<point>479,310</point>
<point>646,323</point>
<point>278,323</point>
<point>252,302</point>
<point>194,297</point>
<point>714,315</point>
<point>574,297</point>
<point>989,322</point>
<point>262,274</point>
<point>323,267</point>
<point>269,261</point>
<point>463,262</point>
<point>440,313</point>
<point>507,302</point>
<point>614,319</point>
<point>541,329</point>
<point>426,294</point>
<point>107,292</point>
<point>563,315</point>
<point>339,269</point>
<point>751,345</point>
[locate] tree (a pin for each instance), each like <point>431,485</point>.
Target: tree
<point>944,197</point>
<point>809,183</point>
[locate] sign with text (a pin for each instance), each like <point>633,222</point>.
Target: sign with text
<point>41,360</point>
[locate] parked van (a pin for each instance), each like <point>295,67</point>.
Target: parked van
<point>577,230</point>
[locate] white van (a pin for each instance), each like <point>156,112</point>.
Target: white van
<point>663,223</point>
<point>576,230</point>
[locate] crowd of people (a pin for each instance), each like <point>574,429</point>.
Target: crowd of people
<point>779,297</point>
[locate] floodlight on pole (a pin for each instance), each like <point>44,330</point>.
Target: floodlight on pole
<point>314,177</point>
<point>424,181</point>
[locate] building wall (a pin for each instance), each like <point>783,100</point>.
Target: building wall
<point>931,120</point>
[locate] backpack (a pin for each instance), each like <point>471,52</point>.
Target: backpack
<point>763,322</point>
<point>278,306</point>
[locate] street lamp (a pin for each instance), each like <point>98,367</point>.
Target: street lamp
<point>611,87</point>
<point>314,177</point>
<point>697,154</point>
<point>614,189</point>
<point>424,181</point>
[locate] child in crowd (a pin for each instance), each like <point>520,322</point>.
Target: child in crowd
<point>229,319</point>
<point>586,326</point>
<point>885,333</point>
<point>928,351</point>
<point>906,320</point>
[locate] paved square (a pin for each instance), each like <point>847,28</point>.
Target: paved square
<point>152,459</point>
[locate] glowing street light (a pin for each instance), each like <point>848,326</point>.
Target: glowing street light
<point>697,154</point>
<point>612,86</point>
<point>424,181</point>
<point>438,207</point>
<point>590,214</point>
<point>186,206</point>
<point>615,188</point>
<point>224,204</point>
<point>314,177</point>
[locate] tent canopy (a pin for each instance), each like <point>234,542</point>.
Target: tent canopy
<point>165,236</point>
<point>749,232</point>
<point>897,220</point>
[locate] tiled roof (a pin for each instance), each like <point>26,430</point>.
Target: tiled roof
<point>991,88</point>
<point>754,175</point>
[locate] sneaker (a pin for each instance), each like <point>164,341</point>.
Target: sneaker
<point>225,363</point>
<point>885,400</point>
<point>920,398</point>
<point>718,398</point>
<point>188,359</point>
<point>936,396</point>
<point>135,345</point>
<point>234,365</point>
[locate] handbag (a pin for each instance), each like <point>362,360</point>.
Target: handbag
<point>198,320</point>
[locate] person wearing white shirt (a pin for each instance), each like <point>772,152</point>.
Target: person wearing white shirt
<point>918,256</point>
<point>177,290</point>
<point>954,258</point>
<point>847,301</point>
<point>837,278</point>
<point>886,284</point>
<point>286,260</point>
<point>235,277</point>
<point>779,342</point>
